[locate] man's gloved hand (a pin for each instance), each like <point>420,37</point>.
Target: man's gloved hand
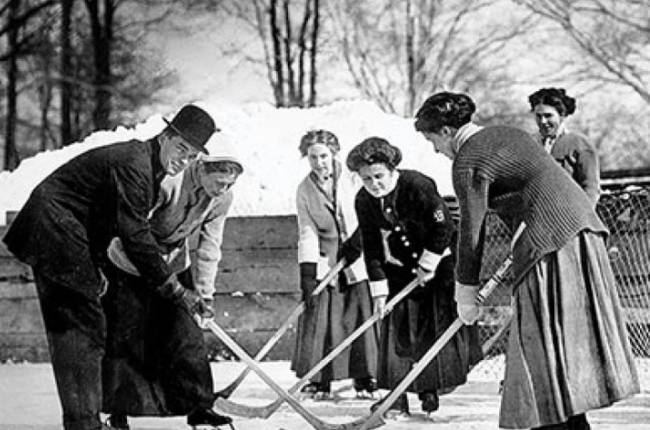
<point>308,283</point>
<point>424,275</point>
<point>466,297</point>
<point>188,299</point>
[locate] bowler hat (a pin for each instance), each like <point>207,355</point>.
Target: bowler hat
<point>194,125</point>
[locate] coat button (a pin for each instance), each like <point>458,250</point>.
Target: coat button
<point>389,210</point>
<point>407,243</point>
<point>398,228</point>
<point>403,238</point>
<point>414,270</point>
<point>414,255</point>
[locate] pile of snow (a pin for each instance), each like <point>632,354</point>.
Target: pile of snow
<point>266,140</point>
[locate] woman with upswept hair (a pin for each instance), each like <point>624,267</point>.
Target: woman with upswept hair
<point>568,351</point>
<point>327,233</point>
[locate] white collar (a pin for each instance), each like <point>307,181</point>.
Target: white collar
<point>464,133</point>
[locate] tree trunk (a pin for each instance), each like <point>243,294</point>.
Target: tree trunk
<point>288,57</point>
<point>66,73</point>
<point>302,50</point>
<point>11,154</point>
<point>313,52</point>
<point>102,34</point>
<point>410,59</point>
<point>278,91</point>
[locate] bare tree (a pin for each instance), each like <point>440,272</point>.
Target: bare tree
<point>11,154</point>
<point>66,72</point>
<point>614,34</point>
<point>399,52</point>
<point>288,32</point>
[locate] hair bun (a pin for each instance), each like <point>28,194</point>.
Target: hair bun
<point>373,150</point>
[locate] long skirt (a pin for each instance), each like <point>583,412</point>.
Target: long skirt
<point>335,315</point>
<point>568,350</point>
<point>413,326</point>
<point>156,361</point>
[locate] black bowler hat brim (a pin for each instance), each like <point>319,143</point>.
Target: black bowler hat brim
<point>189,139</point>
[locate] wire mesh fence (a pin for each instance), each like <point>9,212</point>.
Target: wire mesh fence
<point>627,215</point>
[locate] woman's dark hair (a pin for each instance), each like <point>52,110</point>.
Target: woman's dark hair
<point>444,109</point>
<point>373,150</point>
<point>555,97</point>
<point>319,137</point>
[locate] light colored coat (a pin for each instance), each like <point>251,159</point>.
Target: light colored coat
<point>320,230</point>
<point>182,208</point>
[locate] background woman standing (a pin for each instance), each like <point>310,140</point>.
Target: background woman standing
<point>327,225</point>
<point>407,232</point>
<point>568,351</point>
<point>574,152</point>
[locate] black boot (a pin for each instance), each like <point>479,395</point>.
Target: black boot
<point>430,402</point>
<point>207,418</point>
<point>117,422</point>
<point>578,422</point>
<point>365,388</point>
<point>323,391</point>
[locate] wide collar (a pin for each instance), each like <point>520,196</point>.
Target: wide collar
<point>464,133</point>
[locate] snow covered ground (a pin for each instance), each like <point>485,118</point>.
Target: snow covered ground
<point>266,140</point>
<point>28,401</point>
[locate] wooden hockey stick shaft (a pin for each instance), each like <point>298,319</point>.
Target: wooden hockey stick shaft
<point>485,291</point>
<point>298,310</point>
<point>230,407</point>
<point>314,421</point>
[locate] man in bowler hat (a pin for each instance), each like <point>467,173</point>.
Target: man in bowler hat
<point>63,231</point>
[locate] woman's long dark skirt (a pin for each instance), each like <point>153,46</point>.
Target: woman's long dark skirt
<point>413,326</point>
<point>156,362</point>
<point>321,328</point>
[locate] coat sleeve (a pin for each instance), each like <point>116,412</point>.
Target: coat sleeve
<point>208,251</point>
<point>437,225</point>
<point>308,243</point>
<point>371,240</point>
<point>472,191</point>
<point>588,172</point>
<point>134,199</point>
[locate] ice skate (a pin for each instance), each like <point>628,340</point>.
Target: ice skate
<point>430,402</point>
<point>365,388</point>
<point>117,422</point>
<point>207,419</point>
<point>323,392</point>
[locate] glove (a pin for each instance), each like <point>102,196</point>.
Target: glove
<point>189,300</point>
<point>379,305</point>
<point>423,275</point>
<point>466,297</point>
<point>308,283</point>
<point>350,250</point>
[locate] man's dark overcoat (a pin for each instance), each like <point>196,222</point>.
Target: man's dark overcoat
<point>64,228</point>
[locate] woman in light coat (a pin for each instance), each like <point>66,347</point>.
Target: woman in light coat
<point>568,351</point>
<point>327,232</point>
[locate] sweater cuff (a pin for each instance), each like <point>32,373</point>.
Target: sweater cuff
<point>429,260</point>
<point>378,288</point>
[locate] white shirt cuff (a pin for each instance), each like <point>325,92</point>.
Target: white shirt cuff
<point>429,260</point>
<point>378,288</point>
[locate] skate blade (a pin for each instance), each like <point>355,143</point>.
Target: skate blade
<point>365,395</point>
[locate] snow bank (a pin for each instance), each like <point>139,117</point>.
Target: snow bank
<point>266,140</point>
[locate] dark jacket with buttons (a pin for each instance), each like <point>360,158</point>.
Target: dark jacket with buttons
<point>397,228</point>
<point>65,226</point>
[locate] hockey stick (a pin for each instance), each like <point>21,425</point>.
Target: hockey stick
<point>230,407</point>
<point>487,289</point>
<point>226,392</point>
<point>314,421</point>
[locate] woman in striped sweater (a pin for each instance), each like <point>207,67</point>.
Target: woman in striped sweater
<point>568,352</point>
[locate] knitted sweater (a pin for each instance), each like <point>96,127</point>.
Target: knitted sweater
<point>504,169</point>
